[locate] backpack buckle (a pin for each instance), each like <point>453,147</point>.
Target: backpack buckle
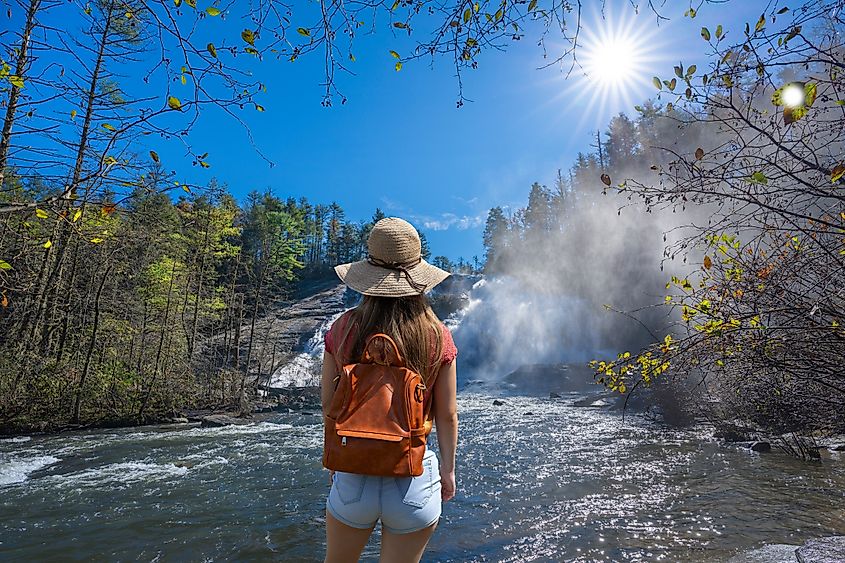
<point>419,392</point>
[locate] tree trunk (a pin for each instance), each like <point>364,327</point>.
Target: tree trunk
<point>92,341</point>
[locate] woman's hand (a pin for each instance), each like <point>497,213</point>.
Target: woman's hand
<point>447,485</point>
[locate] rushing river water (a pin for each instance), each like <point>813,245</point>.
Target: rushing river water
<point>538,480</point>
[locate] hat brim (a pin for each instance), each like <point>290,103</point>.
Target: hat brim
<point>370,279</point>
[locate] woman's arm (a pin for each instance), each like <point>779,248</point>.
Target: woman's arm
<point>446,420</point>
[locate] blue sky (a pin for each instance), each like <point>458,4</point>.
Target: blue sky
<point>400,142</point>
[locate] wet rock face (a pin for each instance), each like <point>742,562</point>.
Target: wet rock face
<point>217,420</point>
<point>822,550</point>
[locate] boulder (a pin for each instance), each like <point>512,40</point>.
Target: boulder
<point>218,420</point>
<point>822,550</point>
<point>554,395</point>
<point>760,446</point>
<point>498,403</point>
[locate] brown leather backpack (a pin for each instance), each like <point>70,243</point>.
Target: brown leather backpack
<point>379,416</point>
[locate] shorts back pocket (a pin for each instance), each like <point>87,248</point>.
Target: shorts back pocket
<point>349,486</point>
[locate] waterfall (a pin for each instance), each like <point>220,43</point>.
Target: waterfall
<point>304,369</point>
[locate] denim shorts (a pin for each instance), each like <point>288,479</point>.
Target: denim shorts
<point>404,504</point>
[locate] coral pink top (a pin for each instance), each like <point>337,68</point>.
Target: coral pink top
<point>450,351</point>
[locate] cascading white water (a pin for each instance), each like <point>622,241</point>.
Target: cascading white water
<point>304,369</point>
<point>502,326</point>
<point>506,325</point>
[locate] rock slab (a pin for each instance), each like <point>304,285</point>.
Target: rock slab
<point>822,550</point>
<point>218,420</point>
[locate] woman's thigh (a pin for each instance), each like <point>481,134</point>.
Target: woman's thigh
<point>404,548</point>
<point>344,544</point>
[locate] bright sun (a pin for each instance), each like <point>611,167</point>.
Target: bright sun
<point>616,56</point>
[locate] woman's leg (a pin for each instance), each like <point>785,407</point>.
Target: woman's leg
<point>344,543</point>
<point>404,548</point>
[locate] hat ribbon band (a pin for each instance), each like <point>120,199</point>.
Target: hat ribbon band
<point>400,268</point>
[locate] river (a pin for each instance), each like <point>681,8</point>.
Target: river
<point>539,479</point>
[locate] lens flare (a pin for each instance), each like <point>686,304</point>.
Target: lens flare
<point>793,95</point>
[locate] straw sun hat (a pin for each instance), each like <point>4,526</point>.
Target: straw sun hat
<point>394,267</point>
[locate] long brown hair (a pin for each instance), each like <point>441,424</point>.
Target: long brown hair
<point>409,321</point>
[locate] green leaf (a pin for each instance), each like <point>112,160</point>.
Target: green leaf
<point>467,15</point>
<point>691,70</point>
<point>809,94</point>
<point>395,5</point>
<point>783,10</point>
<point>174,103</point>
<point>5,265</point>
<point>761,23</point>
<point>532,5</point>
<point>792,33</point>
<point>656,82</point>
<point>211,50</point>
<point>758,178</point>
<point>154,156</point>
<point>303,31</point>
<point>679,71</point>
<point>395,55</point>
<point>718,31</point>
<point>248,36</point>
<point>705,33</point>
<point>212,11</point>
<point>16,80</point>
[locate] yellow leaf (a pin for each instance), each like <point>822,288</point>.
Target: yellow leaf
<point>708,263</point>
<point>212,51</point>
<point>5,265</point>
<point>186,188</point>
<point>837,172</point>
<point>40,213</point>
<point>174,103</point>
<point>212,11</point>
<point>154,156</point>
<point>48,244</point>
<point>191,3</point>
<point>248,36</point>
<point>108,127</point>
<point>761,23</point>
<point>398,66</point>
<point>73,114</point>
<point>303,31</point>
<point>259,107</point>
<point>77,215</point>
<point>97,240</point>
<point>394,54</point>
